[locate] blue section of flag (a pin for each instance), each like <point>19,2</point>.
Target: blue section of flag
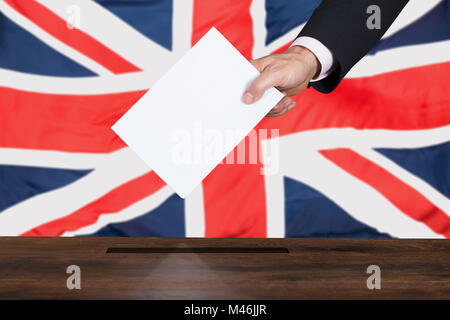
<point>284,15</point>
<point>165,221</point>
<point>309,213</point>
<point>22,51</point>
<point>430,163</point>
<point>18,183</point>
<point>432,27</point>
<point>153,18</point>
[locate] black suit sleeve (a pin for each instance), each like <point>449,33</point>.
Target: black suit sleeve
<point>341,25</point>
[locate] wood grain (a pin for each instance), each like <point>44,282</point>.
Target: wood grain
<point>169,268</point>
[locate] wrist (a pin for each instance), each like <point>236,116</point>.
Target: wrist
<point>309,57</point>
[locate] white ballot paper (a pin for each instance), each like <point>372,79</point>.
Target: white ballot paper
<point>188,122</point>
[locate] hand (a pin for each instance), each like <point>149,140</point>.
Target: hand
<point>290,72</point>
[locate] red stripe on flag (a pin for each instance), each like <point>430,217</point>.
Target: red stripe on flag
<point>112,202</point>
<point>408,99</point>
<point>235,202</point>
<point>403,196</point>
<point>72,123</point>
<point>217,13</point>
<point>234,195</point>
<point>282,49</point>
<point>82,123</point>
<point>75,38</point>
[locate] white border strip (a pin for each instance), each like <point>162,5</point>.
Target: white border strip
<point>195,213</point>
<point>275,208</point>
<point>414,10</point>
<point>182,27</point>
<point>400,58</point>
<point>51,159</point>
<point>331,138</point>
<point>79,85</point>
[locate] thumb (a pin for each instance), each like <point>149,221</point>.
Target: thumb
<point>255,91</point>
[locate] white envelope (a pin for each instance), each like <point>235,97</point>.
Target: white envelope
<point>188,122</point>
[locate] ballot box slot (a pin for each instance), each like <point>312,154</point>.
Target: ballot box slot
<point>227,250</point>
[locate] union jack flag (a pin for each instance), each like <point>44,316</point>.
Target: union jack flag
<point>371,159</point>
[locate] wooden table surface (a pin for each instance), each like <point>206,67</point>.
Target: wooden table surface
<point>169,268</point>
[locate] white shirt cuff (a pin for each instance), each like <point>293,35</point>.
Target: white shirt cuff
<point>323,54</point>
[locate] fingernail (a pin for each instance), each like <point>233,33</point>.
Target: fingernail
<point>291,105</point>
<point>248,97</point>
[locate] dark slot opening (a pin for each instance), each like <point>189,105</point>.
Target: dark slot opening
<point>199,250</point>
